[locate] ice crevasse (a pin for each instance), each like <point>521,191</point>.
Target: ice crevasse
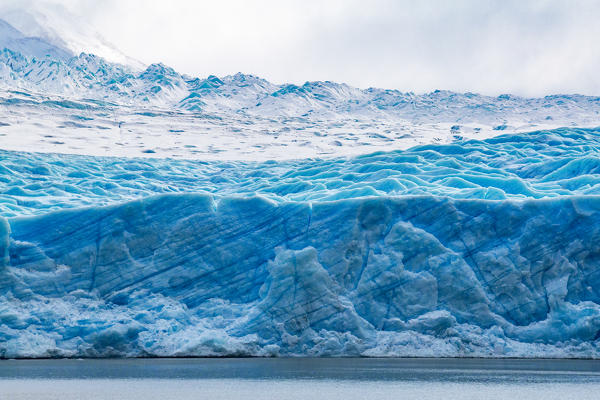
<point>493,250</point>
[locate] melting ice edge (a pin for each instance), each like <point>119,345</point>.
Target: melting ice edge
<point>488,248</point>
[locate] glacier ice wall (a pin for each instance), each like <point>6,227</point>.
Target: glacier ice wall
<point>260,272</point>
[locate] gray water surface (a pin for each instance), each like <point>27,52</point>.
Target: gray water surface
<point>345,378</point>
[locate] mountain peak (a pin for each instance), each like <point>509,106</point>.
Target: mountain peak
<point>159,69</point>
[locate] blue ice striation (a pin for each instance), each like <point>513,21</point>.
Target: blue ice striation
<point>480,248</point>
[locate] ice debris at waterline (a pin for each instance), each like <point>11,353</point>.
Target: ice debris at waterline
<point>314,257</point>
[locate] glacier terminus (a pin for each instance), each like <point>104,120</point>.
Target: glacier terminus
<point>484,249</point>
<point>149,213</point>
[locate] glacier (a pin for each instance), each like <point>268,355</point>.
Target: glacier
<point>148,213</point>
<point>485,248</point>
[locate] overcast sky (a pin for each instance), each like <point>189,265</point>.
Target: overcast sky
<point>526,47</point>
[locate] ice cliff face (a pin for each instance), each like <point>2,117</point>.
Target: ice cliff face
<point>398,253</point>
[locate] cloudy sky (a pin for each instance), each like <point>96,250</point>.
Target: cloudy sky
<point>532,47</point>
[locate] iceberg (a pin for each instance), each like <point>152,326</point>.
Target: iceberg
<point>487,249</point>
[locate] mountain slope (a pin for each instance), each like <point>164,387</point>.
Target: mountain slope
<point>56,25</point>
<point>36,47</point>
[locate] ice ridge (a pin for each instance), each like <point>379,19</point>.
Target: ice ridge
<point>542,164</point>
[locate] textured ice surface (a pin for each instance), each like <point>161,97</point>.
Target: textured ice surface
<point>491,248</point>
<point>563,162</point>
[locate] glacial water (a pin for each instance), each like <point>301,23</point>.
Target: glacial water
<point>347,378</point>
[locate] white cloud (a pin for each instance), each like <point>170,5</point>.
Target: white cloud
<point>532,47</point>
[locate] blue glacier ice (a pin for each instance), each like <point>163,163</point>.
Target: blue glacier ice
<point>481,248</point>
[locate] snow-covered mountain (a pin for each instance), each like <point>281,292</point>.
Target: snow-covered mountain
<point>35,65</point>
<point>35,47</point>
<point>55,25</point>
<point>49,67</point>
